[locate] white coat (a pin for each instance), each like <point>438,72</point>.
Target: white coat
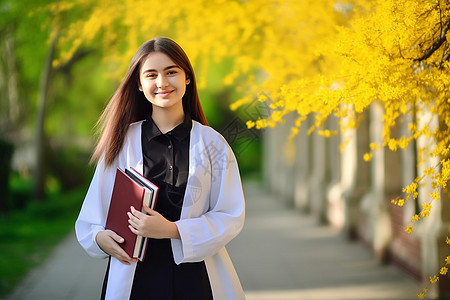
<point>212,214</point>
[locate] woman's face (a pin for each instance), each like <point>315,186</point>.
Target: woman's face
<point>162,81</point>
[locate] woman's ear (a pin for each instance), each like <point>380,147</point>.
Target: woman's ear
<point>139,86</point>
<point>188,80</point>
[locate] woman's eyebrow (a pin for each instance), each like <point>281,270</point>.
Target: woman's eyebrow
<point>165,69</point>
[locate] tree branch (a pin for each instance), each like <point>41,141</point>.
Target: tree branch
<point>67,67</point>
<point>437,44</point>
<point>76,57</point>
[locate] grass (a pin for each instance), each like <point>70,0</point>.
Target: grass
<point>29,235</point>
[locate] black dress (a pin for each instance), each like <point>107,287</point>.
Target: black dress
<point>166,164</point>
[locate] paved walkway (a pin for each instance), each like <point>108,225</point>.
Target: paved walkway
<point>280,255</point>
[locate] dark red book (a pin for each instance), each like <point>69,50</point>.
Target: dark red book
<point>130,189</point>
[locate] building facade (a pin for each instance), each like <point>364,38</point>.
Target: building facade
<point>329,178</point>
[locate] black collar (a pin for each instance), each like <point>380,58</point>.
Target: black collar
<point>181,131</point>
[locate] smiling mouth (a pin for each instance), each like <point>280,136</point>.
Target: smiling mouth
<point>164,93</point>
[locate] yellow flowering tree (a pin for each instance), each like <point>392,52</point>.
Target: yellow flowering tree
<point>321,57</point>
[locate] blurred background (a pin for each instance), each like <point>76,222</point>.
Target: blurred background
<point>315,98</point>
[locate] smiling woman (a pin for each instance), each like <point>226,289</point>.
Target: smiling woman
<point>120,111</point>
<point>154,123</point>
<point>163,84</point>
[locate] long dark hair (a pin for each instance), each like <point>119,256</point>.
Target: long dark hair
<point>129,105</point>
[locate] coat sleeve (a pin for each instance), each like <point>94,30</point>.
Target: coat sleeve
<point>204,236</point>
<point>92,217</point>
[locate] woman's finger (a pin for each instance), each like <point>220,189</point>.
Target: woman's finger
<point>109,241</point>
<point>132,218</point>
<point>138,214</point>
<point>148,210</point>
<point>133,221</point>
<point>134,230</point>
<point>117,237</point>
<point>122,256</point>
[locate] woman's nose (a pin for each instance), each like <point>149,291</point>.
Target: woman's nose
<point>161,81</point>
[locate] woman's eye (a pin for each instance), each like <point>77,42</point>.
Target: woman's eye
<point>171,72</point>
<point>151,76</point>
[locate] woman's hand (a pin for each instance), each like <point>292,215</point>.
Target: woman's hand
<point>153,225</point>
<point>109,242</point>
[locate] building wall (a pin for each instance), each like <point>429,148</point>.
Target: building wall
<point>341,189</point>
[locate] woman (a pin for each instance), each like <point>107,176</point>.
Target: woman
<point>155,124</point>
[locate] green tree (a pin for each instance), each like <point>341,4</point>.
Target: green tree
<point>32,87</point>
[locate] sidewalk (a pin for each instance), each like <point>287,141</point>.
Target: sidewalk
<point>280,255</point>
<point>284,255</point>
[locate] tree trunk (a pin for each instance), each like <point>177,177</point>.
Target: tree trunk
<point>9,103</point>
<point>40,174</point>
<point>13,95</point>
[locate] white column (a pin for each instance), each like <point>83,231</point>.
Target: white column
<point>386,183</point>
<point>404,247</point>
<point>278,166</point>
<point>335,215</point>
<point>319,177</point>
<point>288,159</point>
<point>355,176</point>
<point>433,230</point>
<point>303,168</point>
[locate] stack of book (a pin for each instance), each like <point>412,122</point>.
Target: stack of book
<point>130,189</point>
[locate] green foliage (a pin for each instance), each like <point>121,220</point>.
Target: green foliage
<point>26,28</point>
<point>21,191</point>
<point>29,234</point>
<point>80,95</point>
<point>69,167</point>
